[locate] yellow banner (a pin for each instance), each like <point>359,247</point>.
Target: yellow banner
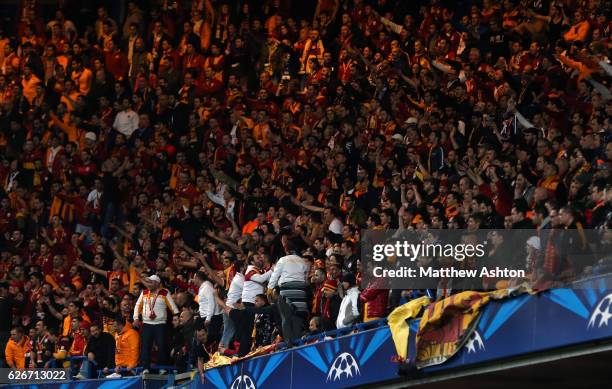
<point>400,330</point>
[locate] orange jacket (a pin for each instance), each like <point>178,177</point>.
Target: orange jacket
<point>83,80</point>
<point>578,32</point>
<point>250,227</point>
<point>127,346</point>
<point>75,134</point>
<point>15,352</point>
<point>584,71</point>
<point>29,87</point>
<point>260,133</point>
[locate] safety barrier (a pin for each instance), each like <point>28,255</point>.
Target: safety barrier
<point>508,328</point>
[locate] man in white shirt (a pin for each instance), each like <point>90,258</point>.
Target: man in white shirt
<point>234,294</point>
<point>150,312</point>
<point>209,309</point>
<point>291,276</point>
<point>254,284</point>
<point>94,197</point>
<point>331,217</point>
<point>126,121</point>
<point>349,308</point>
<point>225,198</point>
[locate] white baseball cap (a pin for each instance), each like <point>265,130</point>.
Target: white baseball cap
<point>155,278</point>
<point>412,120</point>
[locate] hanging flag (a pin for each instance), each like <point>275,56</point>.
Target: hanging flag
<point>398,324</point>
<point>447,324</point>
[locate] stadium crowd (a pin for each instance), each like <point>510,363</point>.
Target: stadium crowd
<point>179,178</point>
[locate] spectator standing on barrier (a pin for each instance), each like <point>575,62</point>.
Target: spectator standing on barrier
<point>349,307</point>
<point>254,284</point>
<point>210,312</point>
<point>176,337</point>
<point>198,353</point>
<point>127,348</point>
<point>150,312</point>
<point>234,294</point>
<point>291,276</point>
<point>100,353</point>
<point>264,323</point>
<point>17,349</point>
<point>186,331</point>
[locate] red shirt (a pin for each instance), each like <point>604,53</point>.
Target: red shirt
<point>117,64</point>
<point>78,345</point>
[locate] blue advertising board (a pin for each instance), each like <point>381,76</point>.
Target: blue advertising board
<point>506,328</point>
<point>347,361</point>
<point>532,323</point>
<point>335,363</point>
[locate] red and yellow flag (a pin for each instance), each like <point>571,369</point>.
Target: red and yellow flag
<point>447,324</point>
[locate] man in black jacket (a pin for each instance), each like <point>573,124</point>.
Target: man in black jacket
<point>183,339</point>
<point>198,355</point>
<point>100,352</point>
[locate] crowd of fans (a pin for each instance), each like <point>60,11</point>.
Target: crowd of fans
<point>210,166</point>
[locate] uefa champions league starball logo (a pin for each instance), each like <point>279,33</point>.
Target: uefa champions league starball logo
<point>345,366</point>
<point>474,343</point>
<point>602,313</point>
<point>243,382</point>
